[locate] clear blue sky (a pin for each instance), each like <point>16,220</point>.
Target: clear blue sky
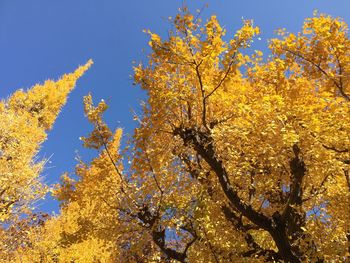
<point>42,39</point>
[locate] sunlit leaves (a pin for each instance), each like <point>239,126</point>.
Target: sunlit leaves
<point>24,120</point>
<point>235,159</point>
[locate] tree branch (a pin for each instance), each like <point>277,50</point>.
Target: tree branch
<point>340,88</point>
<point>203,145</point>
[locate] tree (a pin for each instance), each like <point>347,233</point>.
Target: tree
<point>236,158</point>
<point>25,119</point>
<point>262,148</point>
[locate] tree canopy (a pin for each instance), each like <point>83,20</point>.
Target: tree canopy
<point>237,157</point>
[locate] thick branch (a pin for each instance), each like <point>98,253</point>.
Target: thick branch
<point>298,171</point>
<point>254,248</point>
<point>201,86</point>
<point>203,144</point>
<point>151,220</point>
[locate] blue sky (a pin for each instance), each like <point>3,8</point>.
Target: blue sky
<point>43,39</point>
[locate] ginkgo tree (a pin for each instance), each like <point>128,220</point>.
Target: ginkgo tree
<point>236,158</point>
<point>267,142</point>
<point>25,119</point>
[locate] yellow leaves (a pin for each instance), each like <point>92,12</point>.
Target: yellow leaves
<point>203,119</point>
<point>290,137</point>
<point>155,40</point>
<point>64,191</point>
<point>101,133</point>
<point>138,73</point>
<point>258,53</point>
<point>307,30</point>
<point>24,119</point>
<point>213,28</point>
<point>243,37</point>
<point>321,51</point>
<point>87,251</point>
<point>324,26</point>
<point>49,243</point>
<point>88,212</point>
<point>115,142</point>
<point>44,102</point>
<point>184,22</point>
<point>94,113</point>
<point>260,119</point>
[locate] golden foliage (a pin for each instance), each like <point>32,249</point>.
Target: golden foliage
<point>25,118</point>
<point>236,158</point>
